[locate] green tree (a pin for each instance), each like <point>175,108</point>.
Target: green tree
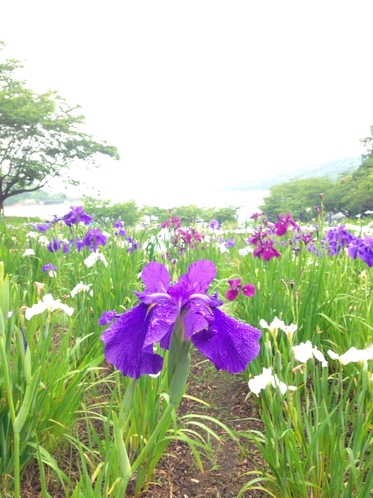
<point>40,136</point>
<point>155,213</point>
<point>356,190</point>
<point>299,196</point>
<point>107,212</point>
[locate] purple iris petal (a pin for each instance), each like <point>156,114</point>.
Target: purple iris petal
<point>42,227</point>
<point>53,245</point>
<point>156,278</point>
<point>234,282</point>
<point>201,274</point>
<point>248,290</point>
<point>352,251</point>
<point>124,344</point>
<point>198,318</point>
<point>362,248</point>
<point>164,315</point>
<point>107,317</point>
<point>48,267</point>
<point>229,344</point>
<point>231,294</point>
<point>79,244</point>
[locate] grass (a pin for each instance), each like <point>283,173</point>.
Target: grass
<point>56,392</point>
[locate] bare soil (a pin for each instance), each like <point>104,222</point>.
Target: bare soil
<point>225,467</point>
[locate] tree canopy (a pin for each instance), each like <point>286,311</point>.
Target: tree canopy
<point>352,192</point>
<point>40,136</point>
<point>108,212</point>
<point>299,196</point>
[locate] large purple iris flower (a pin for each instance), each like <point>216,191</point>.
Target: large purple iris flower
<point>94,238</point>
<point>77,215</point>
<point>129,340</point>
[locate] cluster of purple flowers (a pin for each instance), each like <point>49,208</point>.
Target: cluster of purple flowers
<point>133,245</point>
<point>339,238</point>
<point>55,245</point>
<point>73,217</point>
<point>172,222</point>
<point>188,237</point>
<point>93,239</point>
<point>336,239</point>
<point>264,244</point>
<point>42,227</point>
<point>182,238</point>
<point>263,235</point>
<point>120,232</point>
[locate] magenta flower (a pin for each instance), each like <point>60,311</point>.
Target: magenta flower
<point>236,288</point>
<point>307,238</point>
<point>129,340</point>
<point>282,225</point>
<point>266,250</point>
<point>172,221</point>
<point>255,216</point>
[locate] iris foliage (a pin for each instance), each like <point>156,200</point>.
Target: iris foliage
<point>57,392</point>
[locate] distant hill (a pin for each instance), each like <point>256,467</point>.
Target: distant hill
<point>332,169</point>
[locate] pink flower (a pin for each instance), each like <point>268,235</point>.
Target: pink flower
<point>236,288</point>
<point>282,225</point>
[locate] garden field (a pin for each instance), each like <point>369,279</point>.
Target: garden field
<point>193,360</point>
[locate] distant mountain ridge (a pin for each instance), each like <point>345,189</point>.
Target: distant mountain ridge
<point>332,169</point>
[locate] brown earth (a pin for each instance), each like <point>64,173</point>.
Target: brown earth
<point>225,467</point>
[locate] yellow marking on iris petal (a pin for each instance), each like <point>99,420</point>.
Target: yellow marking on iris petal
<point>209,308</point>
<point>151,306</point>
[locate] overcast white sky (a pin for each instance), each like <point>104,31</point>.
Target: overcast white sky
<point>202,94</point>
